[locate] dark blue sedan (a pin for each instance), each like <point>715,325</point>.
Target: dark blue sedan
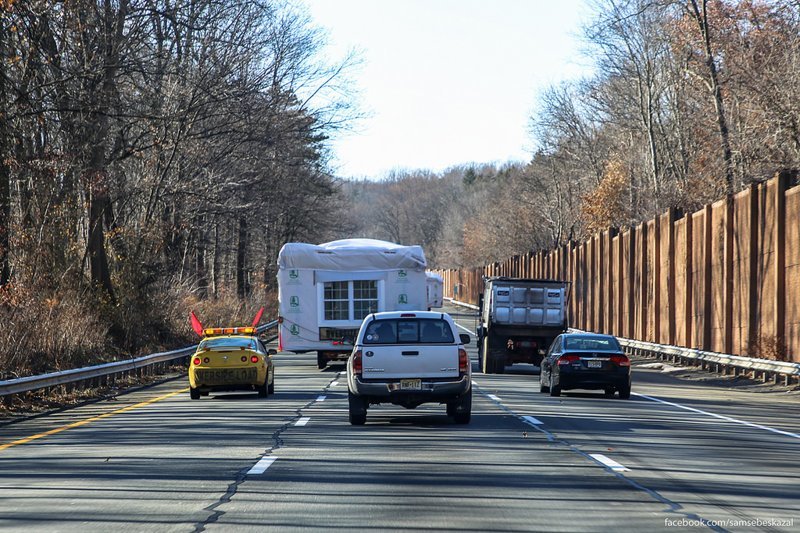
<point>586,361</point>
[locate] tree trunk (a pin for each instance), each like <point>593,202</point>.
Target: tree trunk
<point>241,255</point>
<point>200,255</point>
<point>98,260</point>
<point>700,15</point>
<point>5,170</point>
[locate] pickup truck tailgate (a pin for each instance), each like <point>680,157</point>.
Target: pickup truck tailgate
<point>410,361</point>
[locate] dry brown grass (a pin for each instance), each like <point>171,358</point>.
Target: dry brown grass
<point>48,334</point>
<point>45,333</point>
<point>771,347</point>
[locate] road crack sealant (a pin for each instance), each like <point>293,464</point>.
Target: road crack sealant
<point>277,443</point>
<point>671,506</point>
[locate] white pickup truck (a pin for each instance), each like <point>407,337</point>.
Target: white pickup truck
<point>407,359</point>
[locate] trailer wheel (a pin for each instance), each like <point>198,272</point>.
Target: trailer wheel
<point>321,361</point>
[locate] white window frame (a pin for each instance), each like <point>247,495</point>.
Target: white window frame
<point>350,304</point>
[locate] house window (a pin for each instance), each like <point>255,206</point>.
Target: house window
<point>350,300</point>
<point>365,298</point>
<point>337,301</point>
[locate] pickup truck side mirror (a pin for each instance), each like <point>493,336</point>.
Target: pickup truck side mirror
<point>464,338</point>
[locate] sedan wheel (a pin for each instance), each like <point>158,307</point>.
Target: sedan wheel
<point>625,392</point>
<point>542,386</point>
<point>555,390</point>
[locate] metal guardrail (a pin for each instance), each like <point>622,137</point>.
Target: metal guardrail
<point>714,361</point>
<point>462,304</point>
<point>101,372</point>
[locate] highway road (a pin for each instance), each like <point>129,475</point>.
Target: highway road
<point>677,456</point>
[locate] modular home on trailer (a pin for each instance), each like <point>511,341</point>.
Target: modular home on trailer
<point>325,291</point>
<point>435,290</point>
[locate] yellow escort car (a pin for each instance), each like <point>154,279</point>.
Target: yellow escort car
<point>231,359</point>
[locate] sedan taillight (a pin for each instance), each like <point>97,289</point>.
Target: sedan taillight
<point>463,361</point>
<point>196,361</point>
<point>357,368</point>
<point>254,359</point>
<point>568,359</point>
<point>621,360</point>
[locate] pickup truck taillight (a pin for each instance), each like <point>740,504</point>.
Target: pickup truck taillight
<point>357,368</point>
<point>463,361</point>
<point>621,360</point>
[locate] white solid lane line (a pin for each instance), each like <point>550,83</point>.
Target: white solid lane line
<point>261,466</point>
<point>320,398</point>
<point>721,417</point>
<point>493,397</point>
<point>612,464</point>
<point>466,329</point>
<point>303,421</point>
<point>532,420</point>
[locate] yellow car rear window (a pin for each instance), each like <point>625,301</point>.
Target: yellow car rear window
<point>228,343</point>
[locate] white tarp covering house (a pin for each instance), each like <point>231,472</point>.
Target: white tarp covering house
<point>435,289</point>
<point>326,290</point>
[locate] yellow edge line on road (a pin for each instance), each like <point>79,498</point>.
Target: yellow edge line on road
<point>87,421</point>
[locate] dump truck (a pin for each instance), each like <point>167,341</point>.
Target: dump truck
<point>518,320</point>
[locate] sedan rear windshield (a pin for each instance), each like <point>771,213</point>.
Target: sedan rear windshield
<point>229,343</point>
<point>594,344</point>
<point>409,331</point>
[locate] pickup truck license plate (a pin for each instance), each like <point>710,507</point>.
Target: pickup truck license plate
<point>594,364</point>
<point>410,384</point>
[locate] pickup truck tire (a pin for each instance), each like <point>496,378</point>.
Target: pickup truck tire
<point>357,409</point>
<point>461,408</point>
<point>321,361</point>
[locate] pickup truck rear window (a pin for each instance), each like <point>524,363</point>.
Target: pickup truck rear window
<point>409,331</point>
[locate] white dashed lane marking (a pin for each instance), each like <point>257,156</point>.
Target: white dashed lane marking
<point>610,463</point>
<point>493,397</point>
<point>303,421</point>
<point>320,398</point>
<point>532,421</point>
<point>261,466</point>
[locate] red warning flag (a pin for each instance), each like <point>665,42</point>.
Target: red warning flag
<point>258,317</point>
<point>196,325</point>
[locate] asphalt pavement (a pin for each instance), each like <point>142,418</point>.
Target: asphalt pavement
<point>677,455</point>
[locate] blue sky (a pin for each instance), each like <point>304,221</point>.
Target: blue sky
<point>446,82</point>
